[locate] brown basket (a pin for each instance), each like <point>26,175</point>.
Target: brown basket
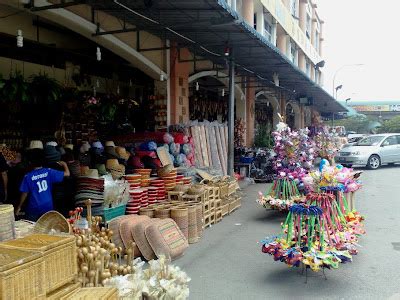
<point>93,293</point>
<point>52,221</point>
<point>125,230</point>
<point>22,274</point>
<point>63,291</point>
<point>147,211</point>
<point>196,189</point>
<point>181,217</point>
<point>138,233</point>
<point>59,254</point>
<point>193,236</point>
<point>7,222</point>
<point>162,212</point>
<point>181,188</point>
<point>114,225</point>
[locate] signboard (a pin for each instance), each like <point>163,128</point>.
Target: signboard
<point>378,108</point>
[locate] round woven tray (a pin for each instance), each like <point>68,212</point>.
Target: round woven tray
<point>162,212</point>
<point>52,221</point>
<point>181,218</point>
<point>192,224</point>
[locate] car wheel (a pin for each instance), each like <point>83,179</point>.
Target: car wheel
<point>374,162</point>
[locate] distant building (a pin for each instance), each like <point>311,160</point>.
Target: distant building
<point>381,110</point>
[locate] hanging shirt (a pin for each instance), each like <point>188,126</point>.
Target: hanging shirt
<point>38,184</point>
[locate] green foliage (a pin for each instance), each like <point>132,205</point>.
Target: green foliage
<point>263,136</point>
<point>44,89</point>
<point>357,123</point>
<point>391,126</point>
<point>15,89</point>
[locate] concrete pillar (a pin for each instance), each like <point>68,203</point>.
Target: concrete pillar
<point>303,15</point>
<point>282,104</point>
<point>179,86</point>
<point>260,21</point>
<point>312,73</point>
<point>302,121</point>
<point>281,40</point>
<point>313,26</point>
<point>248,11</point>
<point>302,61</point>
<point>250,114</point>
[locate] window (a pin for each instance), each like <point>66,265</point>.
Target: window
<point>316,40</point>
<point>308,26</point>
<point>267,30</point>
<point>308,68</point>
<point>390,141</point>
<point>293,8</point>
<point>292,51</point>
<point>317,76</point>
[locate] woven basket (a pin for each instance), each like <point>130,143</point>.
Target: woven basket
<point>59,254</point>
<point>181,217</point>
<point>147,211</point>
<point>52,221</point>
<point>192,224</point>
<point>162,212</point>
<point>199,219</point>
<point>22,274</point>
<point>23,228</point>
<point>93,293</point>
<point>63,291</point>
<point>7,222</point>
<point>125,231</point>
<point>113,225</point>
<point>196,189</point>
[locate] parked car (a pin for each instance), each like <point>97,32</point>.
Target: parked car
<point>372,151</point>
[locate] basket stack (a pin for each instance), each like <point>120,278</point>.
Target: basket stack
<point>7,222</point>
<point>135,181</point>
<point>145,176</point>
<point>137,198</point>
<point>169,179</point>
<point>160,185</point>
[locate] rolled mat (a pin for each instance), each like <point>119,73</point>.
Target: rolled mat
<point>162,212</point>
<point>181,217</point>
<point>192,220</point>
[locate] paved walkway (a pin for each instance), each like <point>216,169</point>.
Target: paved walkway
<point>228,264</point>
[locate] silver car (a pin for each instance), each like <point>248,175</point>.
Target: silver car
<point>372,151</point>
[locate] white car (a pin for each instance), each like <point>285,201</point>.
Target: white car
<point>372,151</point>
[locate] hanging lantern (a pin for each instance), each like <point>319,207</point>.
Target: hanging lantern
<point>223,93</point>
<point>161,77</point>
<point>197,86</point>
<point>20,39</point>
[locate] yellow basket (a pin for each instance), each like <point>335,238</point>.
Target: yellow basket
<point>93,293</point>
<point>59,254</point>
<point>22,274</point>
<point>63,291</point>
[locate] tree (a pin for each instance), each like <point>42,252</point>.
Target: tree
<point>358,123</point>
<point>390,126</point>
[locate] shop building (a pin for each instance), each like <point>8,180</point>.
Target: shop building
<point>176,53</point>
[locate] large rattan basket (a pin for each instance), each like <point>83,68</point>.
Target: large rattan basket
<point>52,221</point>
<point>22,274</point>
<point>59,255</point>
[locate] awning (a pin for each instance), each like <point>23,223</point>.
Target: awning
<point>207,27</point>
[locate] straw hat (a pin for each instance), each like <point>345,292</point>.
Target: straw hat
<point>85,147</point>
<point>69,146</point>
<point>110,144</point>
<point>110,152</point>
<point>165,170</point>
<point>98,145</point>
<point>36,144</point>
<point>51,154</point>
<point>92,173</point>
<point>52,143</point>
<point>112,164</point>
<point>122,153</point>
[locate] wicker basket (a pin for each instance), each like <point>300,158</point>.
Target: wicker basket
<point>225,209</point>
<point>59,254</point>
<point>162,212</point>
<point>22,274</point>
<point>7,222</point>
<point>63,291</point>
<point>52,221</point>
<point>181,218</point>
<point>199,219</point>
<point>193,236</point>
<point>147,211</point>
<point>93,293</point>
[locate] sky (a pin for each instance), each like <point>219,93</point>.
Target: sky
<point>362,32</point>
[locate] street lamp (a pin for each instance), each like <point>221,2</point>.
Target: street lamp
<point>338,70</point>
<point>339,87</point>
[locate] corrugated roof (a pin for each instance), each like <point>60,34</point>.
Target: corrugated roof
<point>206,27</point>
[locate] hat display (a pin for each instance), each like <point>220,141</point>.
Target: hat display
<point>51,154</point>
<point>110,144</point>
<point>117,170</point>
<point>98,145</point>
<point>122,153</point>
<point>36,144</point>
<point>69,146</point>
<point>52,143</point>
<point>85,147</point>
<point>110,152</point>
<point>91,173</point>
